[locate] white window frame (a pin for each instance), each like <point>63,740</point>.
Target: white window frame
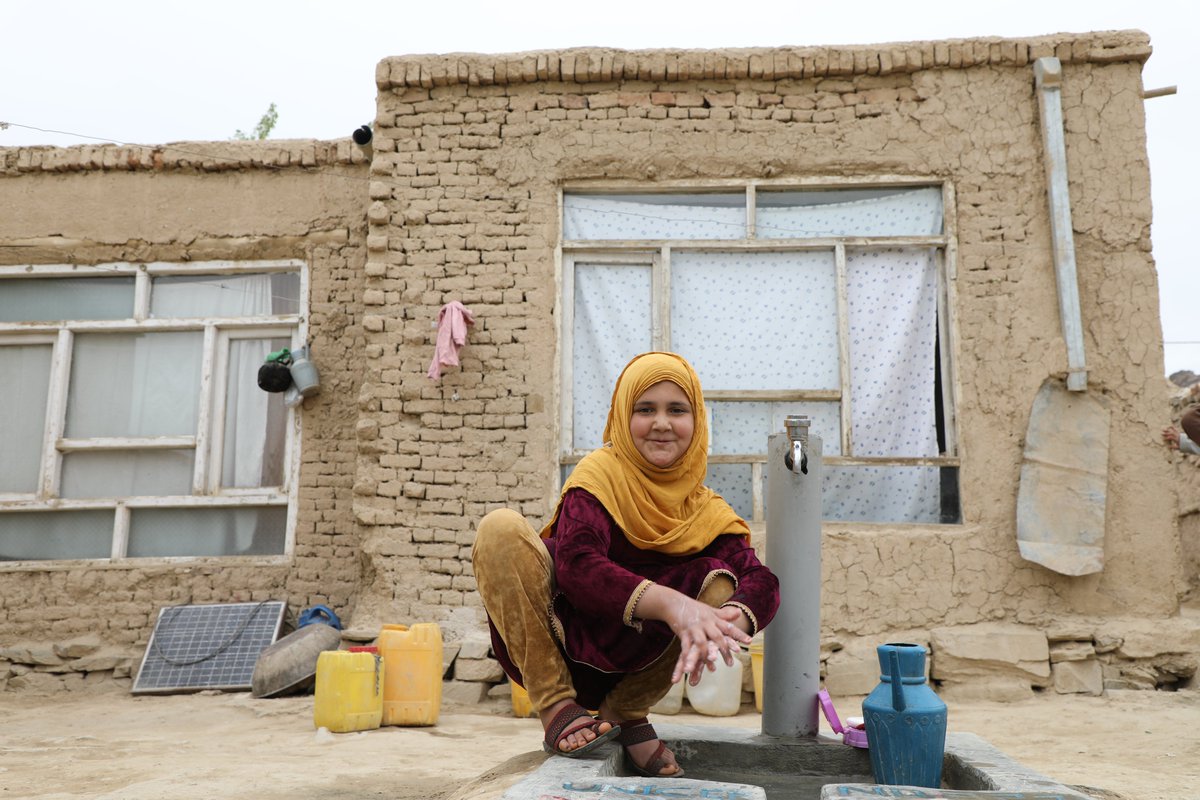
<point>657,254</point>
<point>218,333</point>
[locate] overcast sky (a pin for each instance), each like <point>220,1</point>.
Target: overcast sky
<point>156,72</point>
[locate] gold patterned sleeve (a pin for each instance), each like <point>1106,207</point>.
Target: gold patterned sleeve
<point>632,604</point>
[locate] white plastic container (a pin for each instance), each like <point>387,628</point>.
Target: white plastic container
<point>672,701</point>
<point>719,693</point>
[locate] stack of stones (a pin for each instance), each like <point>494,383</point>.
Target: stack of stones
<point>76,665</point>
<point>1004,661</point>
<point>475,673</point>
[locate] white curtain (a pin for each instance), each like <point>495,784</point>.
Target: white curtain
<point>24,389</point>
<point>881,494</point>
<point>892,330</point>
<point>129,385</point>
<point>166,532</point>
<point>855,212</point>
<point>756,320</point>
<point>654,217</point>
<point>252,448</point>
<point>38,535</point>
<point>254,421</point>
<point>252,452</point>
<point>740,428</point>
<point>612,325</point>
<point>134,384</point>
<point>189,296</point>
<point>127,473</point>
<point>779,215</point>
<point>55,299</point>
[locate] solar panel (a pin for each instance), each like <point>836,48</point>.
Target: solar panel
<point>207,647</point>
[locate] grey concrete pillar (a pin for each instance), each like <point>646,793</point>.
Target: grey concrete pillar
<point>792,642</point>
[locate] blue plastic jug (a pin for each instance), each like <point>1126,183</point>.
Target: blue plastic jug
<point>906,720</point>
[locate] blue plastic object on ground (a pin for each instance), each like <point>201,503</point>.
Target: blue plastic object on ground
<point>323,614</point>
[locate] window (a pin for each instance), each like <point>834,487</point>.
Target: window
<point>830,303</point>
<point>132,423</point>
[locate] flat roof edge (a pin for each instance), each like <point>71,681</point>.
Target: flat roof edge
<point>603,65</point>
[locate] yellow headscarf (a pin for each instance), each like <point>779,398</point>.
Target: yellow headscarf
<point>668,509</point>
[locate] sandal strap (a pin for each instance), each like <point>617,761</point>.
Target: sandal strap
<point>636,731</point>
<point>657,762</point>
<point>563,719</point>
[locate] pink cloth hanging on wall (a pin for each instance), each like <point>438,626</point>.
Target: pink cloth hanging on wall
<point>452,324</point>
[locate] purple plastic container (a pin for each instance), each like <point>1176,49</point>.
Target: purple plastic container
<point>853,735</point>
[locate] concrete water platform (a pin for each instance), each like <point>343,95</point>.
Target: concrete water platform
<point>740,764</point>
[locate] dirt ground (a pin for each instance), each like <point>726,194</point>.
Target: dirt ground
<point>1135,745</point>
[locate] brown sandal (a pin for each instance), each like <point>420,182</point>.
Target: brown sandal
<point>636,731</point>
<point>558,729</point>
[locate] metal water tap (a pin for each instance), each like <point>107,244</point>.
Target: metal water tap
<point>797,426</point>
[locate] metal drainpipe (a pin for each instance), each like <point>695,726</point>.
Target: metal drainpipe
<point>1048,77</point>
<point>792,642</point>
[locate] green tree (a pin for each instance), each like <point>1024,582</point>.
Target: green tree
<point>264,127</point>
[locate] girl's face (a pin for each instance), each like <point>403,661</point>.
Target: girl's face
<point>662,424</point>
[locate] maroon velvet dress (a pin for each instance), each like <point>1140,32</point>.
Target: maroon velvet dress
<point>597,569</point>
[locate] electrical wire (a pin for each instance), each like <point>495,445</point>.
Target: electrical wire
<point>165,626</point>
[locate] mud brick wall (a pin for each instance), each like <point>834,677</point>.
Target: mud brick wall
<point>196,201</point>
<point>471,153</point>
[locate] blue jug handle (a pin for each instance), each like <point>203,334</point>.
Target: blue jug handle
<point>897,681</point>
<point>319,614</point>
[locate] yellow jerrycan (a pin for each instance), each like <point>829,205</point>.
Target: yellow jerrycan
<point>756,669</point>
<point>412,668</point>
<point>348,691</point>
<point>521,705</point>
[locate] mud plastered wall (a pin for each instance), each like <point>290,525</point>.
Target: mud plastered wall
<point>1187,484</point>
<point>198,202</point>
<point>470,153</point>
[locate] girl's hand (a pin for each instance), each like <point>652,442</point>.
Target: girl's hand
<point>1171,437</point>
<point>705,634</point>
